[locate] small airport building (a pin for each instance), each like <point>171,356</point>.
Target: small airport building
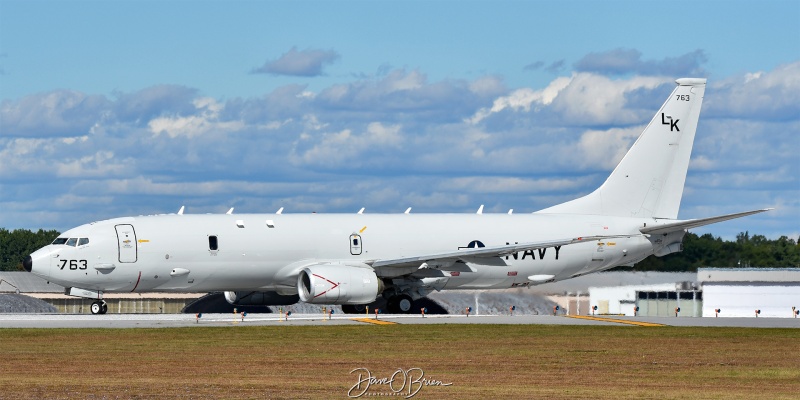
<point>17,282</point>
<point>660,300</point>
<point>750,292</point>
<point>716,292</point>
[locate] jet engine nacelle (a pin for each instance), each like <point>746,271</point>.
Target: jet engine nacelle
<point>247,298</point>
<point>338,284</point>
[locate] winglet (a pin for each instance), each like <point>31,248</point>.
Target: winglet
<point>280,211</point>
<point>408,211</point>
<point>230,211</point>
<point>480,210</point>
<point>180,212</point>
<point>361,211</point>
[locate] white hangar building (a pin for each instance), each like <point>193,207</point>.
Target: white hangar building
<point>656,300</point>
<point>739,292</point>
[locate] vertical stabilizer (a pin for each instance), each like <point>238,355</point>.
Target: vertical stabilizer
<point>649,180</point>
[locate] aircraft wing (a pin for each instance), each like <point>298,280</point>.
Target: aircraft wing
<point>694,223</point>
<point>480,252</point>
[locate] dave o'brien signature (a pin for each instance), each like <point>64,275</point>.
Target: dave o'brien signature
<point>411,380</point>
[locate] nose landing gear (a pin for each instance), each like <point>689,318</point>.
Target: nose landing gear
<point>99,307</point>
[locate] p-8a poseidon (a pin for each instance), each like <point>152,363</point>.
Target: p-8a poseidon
<point>390,260</point>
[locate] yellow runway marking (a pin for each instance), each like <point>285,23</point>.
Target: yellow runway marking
<point>619,321</point>
<point>374,321</point>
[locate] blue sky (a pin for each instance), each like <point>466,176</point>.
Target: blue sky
<point>127,108</point>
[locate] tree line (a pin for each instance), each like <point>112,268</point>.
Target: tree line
<point>17,244</point>
<point>706,251</point>
<point>754,251</point>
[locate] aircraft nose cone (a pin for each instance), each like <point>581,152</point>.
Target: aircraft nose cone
<point>27,263</point>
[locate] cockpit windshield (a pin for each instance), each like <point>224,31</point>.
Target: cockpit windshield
<point>71,241</point>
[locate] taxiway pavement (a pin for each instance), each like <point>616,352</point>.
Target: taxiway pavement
<point>191,320</point>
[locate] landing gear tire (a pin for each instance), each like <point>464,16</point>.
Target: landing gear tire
<point>400,304</point>
<point>405,303</point>
<point>99,307</point>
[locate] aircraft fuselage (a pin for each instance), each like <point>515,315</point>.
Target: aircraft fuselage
<point>264,252</point>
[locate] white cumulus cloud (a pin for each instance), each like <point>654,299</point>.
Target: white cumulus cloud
<point>206,121</point>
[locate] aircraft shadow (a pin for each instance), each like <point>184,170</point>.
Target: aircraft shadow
<point>215,303</point>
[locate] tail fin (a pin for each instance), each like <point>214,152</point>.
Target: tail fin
<point>649,180</point>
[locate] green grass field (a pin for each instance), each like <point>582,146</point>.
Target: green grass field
<point>481,362</point>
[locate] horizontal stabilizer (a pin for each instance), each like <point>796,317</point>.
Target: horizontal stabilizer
<point>694,223</point>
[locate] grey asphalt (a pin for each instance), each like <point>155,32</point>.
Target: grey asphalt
<point>189,320</point>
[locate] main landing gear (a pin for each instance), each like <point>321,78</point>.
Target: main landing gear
<point>400,304</point>
<point>396,304</point>
<point>99,307</point>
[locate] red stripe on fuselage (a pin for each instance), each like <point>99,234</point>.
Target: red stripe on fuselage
<point>137,281</point>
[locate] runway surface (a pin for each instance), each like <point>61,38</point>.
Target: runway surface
<point>189,320</point>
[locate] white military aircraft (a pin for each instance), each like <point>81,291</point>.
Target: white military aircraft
<point>390,260</point>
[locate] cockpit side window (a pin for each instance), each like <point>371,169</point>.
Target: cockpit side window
<point>83,241</point>
<point>60,241</point>
<point>72,242</point>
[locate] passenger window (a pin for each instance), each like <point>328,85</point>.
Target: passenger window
<point>83,241</point>
<point>60,241</point>
<point>212,243</point>
<point>72,242</point>
<point>355,242</point>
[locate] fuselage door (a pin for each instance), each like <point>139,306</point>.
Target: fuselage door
<point>355,244</point>
<point>126,238</point>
